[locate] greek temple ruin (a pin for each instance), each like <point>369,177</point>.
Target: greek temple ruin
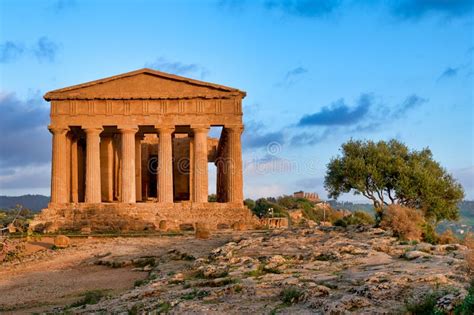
<point>131,152</point>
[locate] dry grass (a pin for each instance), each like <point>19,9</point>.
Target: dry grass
<point>448,237</point>
<point>406,223</point>
<point>469,243</point>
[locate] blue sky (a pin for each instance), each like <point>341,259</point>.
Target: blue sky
<point>316,73</point>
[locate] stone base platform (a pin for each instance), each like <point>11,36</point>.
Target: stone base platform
<point>147,216</point>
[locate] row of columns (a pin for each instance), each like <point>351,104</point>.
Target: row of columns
<point>130,170</point>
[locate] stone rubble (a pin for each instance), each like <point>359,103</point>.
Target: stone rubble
<point>328,270</point>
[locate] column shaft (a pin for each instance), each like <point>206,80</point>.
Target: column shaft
<point>59,166</point>
<point>200,176</point>
<point>107,168</point>
<point>234,183</point>
<point>128,164</point>
<point>165,165</point>
<point>138,167</point>
<point>74,171</point>
<point>68,167</point>
<point>93,190</point>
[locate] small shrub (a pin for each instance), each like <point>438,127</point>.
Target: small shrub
<point>291,295</point>
<point>447,237</point>
<point>429,234</point>
<point>199,294</point>
<point>89,297</point>
<point>145,261</point>
<point>469,255</point>
<point>467,305</point>
<point>139,283</point>
<point>261,270</point>
<point>406,223</point>
<point>356,218</point>
<point>425,306</point>
<point>164,307</point>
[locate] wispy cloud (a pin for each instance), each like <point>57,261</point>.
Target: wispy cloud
<point>178,68</point>
<point>43,50</point>
<point>256,136</point>
<point>448,73</point>
<point>339,118</point>
<point>403,10</point>
<point>292,76</point>
<point>10,51</point>
<point>408,104</point>
<point>417,9</point>
<point>311,137</point>
<point>61,5</point>
<point>304,8</point>
<point>339,113</point>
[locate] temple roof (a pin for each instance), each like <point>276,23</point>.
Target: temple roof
<point>144,84</point>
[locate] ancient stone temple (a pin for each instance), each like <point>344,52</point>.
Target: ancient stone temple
<point>131,152</point>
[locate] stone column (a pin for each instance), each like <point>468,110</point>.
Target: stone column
<point>93,190</point>
<point>107,168</point>
<point>59,165</point>
<point>68,166</point>
<point>165,164</point>
<point>138,167</point>
<point>128,164</point>
<point>117,169</point>
<point>200,176</point>
<point>220,180</point>
<point>234,183</point>
<point>74,170</point>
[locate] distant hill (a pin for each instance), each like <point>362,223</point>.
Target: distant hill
<point>351,206</point>
<point>32,202</point>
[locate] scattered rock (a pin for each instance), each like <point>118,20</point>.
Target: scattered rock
<point>62,241</point>
<point>202,231</point>
<point>415,254</point>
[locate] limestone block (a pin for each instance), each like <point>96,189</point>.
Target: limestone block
<point>202,231</point>
<point>62,241</point>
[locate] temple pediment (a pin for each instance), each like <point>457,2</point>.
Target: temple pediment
<point>144,84</point>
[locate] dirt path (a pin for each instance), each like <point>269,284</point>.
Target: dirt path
<point>47,278</point>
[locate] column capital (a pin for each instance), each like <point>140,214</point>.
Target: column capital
<point>165,129</point>
<point>200,128</point>
<point>57,130</point>
<point>234,128</point>
<point>127,129</point>
<point>92,129</point>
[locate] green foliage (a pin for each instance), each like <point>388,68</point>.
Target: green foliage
<point>291,295</point>
<point>199,294</point>
<point>250,203</point>
<point>356,218</point>
<point>212,198</point>
<point>262,205</point>
<point>289,202</point>
<point>429,233</point>
<point>145,261</point>
<point>389,173</point>
<point>19,215</point>
<point>261,270</point>
<point>164,308</point>
<point>90,297</point>
<point>467,305</point>
<point>427,306</point>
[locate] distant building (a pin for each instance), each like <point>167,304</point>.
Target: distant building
<point>311,196</point>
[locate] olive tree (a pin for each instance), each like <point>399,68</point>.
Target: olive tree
<point>390,173</point>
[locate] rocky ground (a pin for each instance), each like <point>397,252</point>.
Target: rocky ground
<point>324,270</point>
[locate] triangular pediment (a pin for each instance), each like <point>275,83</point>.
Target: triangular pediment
<point>144,84</point>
